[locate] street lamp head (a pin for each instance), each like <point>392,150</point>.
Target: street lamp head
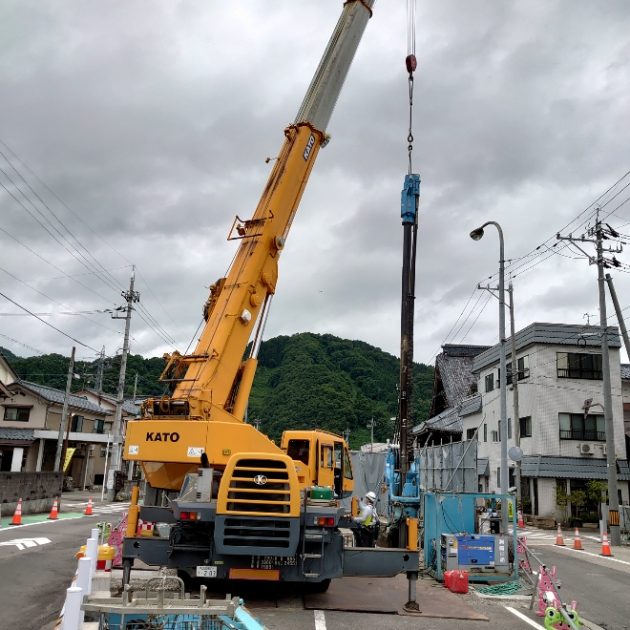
<point>477,234</point>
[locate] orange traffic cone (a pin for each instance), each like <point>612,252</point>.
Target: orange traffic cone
<point>521,520</point>
<point>88,509</point>
<point>606,551</point>
<point>559,539</point>
<point>577,541</point>
<point>17,515</point>
<point>54,512</point>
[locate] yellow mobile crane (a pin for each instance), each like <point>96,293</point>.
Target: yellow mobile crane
<point>247,508</point>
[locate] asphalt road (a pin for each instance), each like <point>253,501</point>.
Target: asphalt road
<point>600,586</point>
<point>35,573</point>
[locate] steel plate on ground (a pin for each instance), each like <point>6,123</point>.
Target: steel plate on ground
<point>389,595</point>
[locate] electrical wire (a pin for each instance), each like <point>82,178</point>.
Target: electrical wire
<point>65,334</point>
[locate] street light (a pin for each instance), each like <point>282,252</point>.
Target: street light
<point>476,235</point>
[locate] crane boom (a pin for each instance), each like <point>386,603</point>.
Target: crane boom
<point>212,385</point>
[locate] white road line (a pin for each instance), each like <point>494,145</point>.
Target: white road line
<point>61,520</point>
<point>523,617</point>
<point>25,543</point>
<point>595,555</point>
<point>320,620</point>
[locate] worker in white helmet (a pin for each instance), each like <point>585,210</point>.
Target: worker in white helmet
<point>367,521</point>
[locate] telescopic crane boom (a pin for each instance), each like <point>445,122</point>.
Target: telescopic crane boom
<point>211,386</point>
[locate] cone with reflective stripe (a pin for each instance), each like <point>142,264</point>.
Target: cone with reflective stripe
<point>54,512</point>
<point>521,520</point>
<point>559,539</point>
<point>17,515</point>
<point>88,509</point>
<point>577,541</point>
<point>606,551</point>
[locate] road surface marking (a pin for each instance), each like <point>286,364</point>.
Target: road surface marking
<point>25,543</point>
<point>320,620</point>
<point>526,619</point>
<point>580,552</point>
<point>61,520</point>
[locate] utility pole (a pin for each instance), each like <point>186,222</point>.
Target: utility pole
<point>64,415</point>
<point>131,297</point>
<point>370,426</point>
<point>99,372</point>
<point>135,387</point>
<point>613,499</point>
<point>621,322</point>
<point>515,415</point>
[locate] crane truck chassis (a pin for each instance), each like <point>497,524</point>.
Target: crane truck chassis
<point>228,502</point>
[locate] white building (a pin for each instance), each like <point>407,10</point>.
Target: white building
<point>559,368</point>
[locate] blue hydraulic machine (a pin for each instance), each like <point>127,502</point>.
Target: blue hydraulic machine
<point>460,533</point>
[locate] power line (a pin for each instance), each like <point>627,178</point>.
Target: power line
<point>106,277</point>
<point>84,315</point>
<point>65,334</point>
<point>44,223</point>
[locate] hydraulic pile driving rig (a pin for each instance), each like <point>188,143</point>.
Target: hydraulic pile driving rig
<point>229,502</point>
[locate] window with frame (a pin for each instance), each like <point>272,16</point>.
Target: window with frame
<point>489,382</point>
<point>509,428</point>
<point>326,457</point>
<point>470,434</point>
<point>525,426</point>
<point>579,365</point>
<point>77,423</point>
<point>574,426</point>
<point>17,414</point>
<point>494,436</point>
<point>99,425</point>
<point>522,369</point>
<point>485,432</point>
<point>347,465</point>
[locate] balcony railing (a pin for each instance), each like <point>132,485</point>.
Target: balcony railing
<point>593,375</point>
<point>592,436</point>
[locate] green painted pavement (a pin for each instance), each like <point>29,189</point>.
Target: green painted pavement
<point>37,518</point>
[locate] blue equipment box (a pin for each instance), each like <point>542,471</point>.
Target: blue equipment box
<point>475,550</point>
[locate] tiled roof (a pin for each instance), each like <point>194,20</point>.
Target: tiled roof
<point>483,466</point>
<point>454,364</point>
<point>57,396</point>
<point>448,422</point>
<point>129,406</point>
<point>470,405</point>
<point>576,335</point>
<point>571,467</point>
<point>16,434</point>
<point>625,372</point>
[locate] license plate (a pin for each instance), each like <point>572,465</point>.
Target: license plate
<point>208,572</point>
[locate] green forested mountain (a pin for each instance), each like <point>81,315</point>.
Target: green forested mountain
<point>309,380</point>
<point>302,381</point>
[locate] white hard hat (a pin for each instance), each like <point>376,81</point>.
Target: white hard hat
<point>371,497</point>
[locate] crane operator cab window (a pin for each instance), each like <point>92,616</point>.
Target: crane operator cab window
<point>338,472</point>
<point>299,450</point>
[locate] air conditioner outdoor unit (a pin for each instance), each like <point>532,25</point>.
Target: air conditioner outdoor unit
<point>586,449</point>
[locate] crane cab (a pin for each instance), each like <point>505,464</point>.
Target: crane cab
<point>321,459</point>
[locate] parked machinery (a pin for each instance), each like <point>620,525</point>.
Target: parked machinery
<point>230,502</point>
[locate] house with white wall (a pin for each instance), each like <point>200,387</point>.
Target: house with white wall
<point>30,418</point>
<point>559,368</point>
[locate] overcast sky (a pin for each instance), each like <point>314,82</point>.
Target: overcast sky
<point>144,128</point>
